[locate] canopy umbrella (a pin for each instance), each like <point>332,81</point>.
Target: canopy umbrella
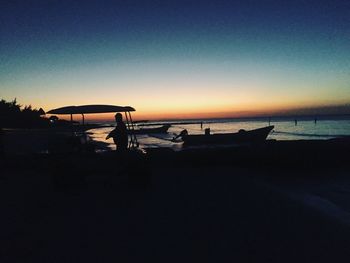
<point>99,108</point>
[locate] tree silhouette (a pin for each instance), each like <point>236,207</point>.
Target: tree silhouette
<point>12,116</point>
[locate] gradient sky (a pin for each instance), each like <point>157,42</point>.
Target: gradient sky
<point>177,58</point>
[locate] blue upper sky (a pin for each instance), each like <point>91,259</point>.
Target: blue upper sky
<point>176,56</point>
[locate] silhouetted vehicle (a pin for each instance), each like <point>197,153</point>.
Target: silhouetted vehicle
<point>252,136</point>
<point>78,135</point>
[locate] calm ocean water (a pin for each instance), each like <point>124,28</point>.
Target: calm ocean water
<point>285,129</point>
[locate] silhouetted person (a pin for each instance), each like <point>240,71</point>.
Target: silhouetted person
<point>315,120</point>
<point>295,122</point>
<point>182,133</point>
<point>1,141</point>
<point>119,134</point>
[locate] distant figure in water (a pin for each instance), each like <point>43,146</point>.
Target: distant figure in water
<point>119,134</point>
<point>295,122</point>
<point>201,125</point>
<point>315,120</point>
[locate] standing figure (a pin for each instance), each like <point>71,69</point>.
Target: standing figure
<point>1,141</point>
<point>119,134</point>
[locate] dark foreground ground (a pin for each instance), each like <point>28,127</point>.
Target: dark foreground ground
<point>282,202</point>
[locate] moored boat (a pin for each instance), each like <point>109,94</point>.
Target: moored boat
<point>163,129</point>
<point>243,136</point>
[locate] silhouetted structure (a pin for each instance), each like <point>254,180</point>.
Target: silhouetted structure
<point>102,108</point>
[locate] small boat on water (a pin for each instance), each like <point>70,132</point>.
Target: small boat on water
<point>243,136</point>
<point>163,129</point>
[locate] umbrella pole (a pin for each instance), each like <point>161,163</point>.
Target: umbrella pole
<point>128,126</point>
<point>133,129</point>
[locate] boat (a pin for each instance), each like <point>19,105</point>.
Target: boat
<point>163,129</point>
<point>240,137</point>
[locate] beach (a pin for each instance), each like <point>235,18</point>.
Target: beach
<point>211,205</point>
<point>174,131</point>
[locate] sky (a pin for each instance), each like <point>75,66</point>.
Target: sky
<point>177,59</point>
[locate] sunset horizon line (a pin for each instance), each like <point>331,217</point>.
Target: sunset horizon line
<point>161,113</point>
<point>326,110</point>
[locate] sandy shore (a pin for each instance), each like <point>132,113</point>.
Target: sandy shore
<point>189,206</point>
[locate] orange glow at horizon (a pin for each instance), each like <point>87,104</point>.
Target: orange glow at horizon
<point>190,93</point>
<point>224,111</point>
<point>224,101</point>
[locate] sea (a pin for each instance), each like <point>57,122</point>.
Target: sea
<point>285,128</point>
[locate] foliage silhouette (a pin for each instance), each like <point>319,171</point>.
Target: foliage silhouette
<point>13,116</point>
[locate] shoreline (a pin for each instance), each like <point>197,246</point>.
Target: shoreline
<point>303,154</point>
<point>280,201</point>
<point>285,151</point>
